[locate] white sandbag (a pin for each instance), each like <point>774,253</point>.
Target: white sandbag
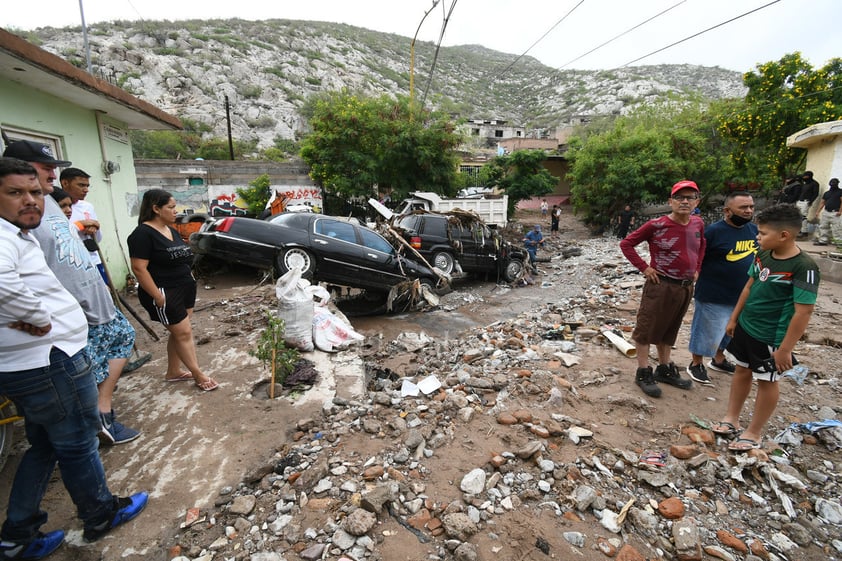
<point>295,307</point>
<point>330,332</point>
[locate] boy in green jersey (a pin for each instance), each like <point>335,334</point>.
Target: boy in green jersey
<point>770,317</point>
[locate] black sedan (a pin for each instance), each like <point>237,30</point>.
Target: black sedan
<point>326,248</point>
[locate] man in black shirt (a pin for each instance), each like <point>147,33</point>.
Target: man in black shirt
<point>809,193</point>
<point>829,210</point>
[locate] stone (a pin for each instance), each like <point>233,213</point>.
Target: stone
<point>719,553</point>
<point>359,522</point>
<point>685,535</point>
<point>374,499</point>
<point>313,552</point>
<point>583,497</point>
<point>522,415</point>
<point>506,419</point>
<point>728,539</point>
<point>473,482</point>
<point>465,552</point>
<point>343,540</point>
<point>831,511</point>
<point>243,505</point>
<point>671,508</point>
<point>629,553</point>
<point>529,450</point>
<point>458,525</point>
<point>372,473</point>
<point>683,452</point>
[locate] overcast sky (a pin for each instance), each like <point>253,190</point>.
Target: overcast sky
<point>554,31</point>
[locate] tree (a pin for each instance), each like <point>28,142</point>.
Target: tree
<point>783,97</point>
<point>521,175</point>
<point>358,143</point>
<point>640,157</point>
<point>257,194</point>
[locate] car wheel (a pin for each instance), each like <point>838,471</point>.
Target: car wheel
<point>443,261</point>
<point>512,270</point>
<point>293,257</point>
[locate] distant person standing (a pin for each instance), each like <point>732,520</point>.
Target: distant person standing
<point>545,207</point>
<point>625,221</point>
<point>555,216</point>
<point>809,193</point>
<point>829,211</point>
<point>676,247</point>
<point>730,245</point>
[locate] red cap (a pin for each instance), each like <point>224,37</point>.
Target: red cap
<point>686,184</point>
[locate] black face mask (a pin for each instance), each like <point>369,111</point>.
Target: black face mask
<point>739,221</point>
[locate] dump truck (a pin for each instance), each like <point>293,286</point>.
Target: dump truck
<point>493,211</point>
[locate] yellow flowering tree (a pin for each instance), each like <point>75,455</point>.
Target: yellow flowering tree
<point>783,97</point>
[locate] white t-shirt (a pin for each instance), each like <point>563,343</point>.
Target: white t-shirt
<point>31,293</point>
<point>83,210</point>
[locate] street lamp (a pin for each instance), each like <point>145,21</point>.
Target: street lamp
<point>412,52</point>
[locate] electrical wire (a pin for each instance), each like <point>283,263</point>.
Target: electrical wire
<point>626,32</point>
<point>541,38</point>
<point>700,33</point>
<point>445,20</point>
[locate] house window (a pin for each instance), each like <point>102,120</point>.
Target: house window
<point>475,132</point>
<point>518,133</point>
<point>195,181</point>
<point>498,133</point>
<point>53,142</point>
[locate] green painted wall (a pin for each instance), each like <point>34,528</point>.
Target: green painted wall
<point>76,128</point>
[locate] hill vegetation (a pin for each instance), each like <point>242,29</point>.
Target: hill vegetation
<point>269,70</point>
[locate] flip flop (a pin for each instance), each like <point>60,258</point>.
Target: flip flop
<point>183,377</point>
<point>743,445</point>
<point>208,385</point>
<point>730,430</point>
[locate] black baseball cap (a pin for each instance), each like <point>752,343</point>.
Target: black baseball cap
<point>31,151</point>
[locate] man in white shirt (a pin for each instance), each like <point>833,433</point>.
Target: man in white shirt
<point>45,371</point>
<point>83,217</point>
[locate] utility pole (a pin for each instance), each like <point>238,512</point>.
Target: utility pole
<point>228,120</point>
<point>85,39</point>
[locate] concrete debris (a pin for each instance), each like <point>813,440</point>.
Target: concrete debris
<point>504,379</point>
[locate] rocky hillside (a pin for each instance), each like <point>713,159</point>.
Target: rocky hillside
<point>269,68</point>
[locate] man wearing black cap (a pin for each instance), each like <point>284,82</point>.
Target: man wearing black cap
<point>809,193</point>
<point>829,211</point>
<point>111,336</point>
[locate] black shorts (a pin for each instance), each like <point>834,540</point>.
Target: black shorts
<point>755,355</point>
<point>177,300</point>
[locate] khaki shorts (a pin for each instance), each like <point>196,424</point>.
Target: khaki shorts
<point>662,309</point>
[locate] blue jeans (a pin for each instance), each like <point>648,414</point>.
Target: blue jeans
<point>59,406</point>
<point>707,332</point>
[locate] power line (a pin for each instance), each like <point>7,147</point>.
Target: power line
<point>445,20</point>
<point>541,38</point>
<point>700,33</point>
<point>621,34</point>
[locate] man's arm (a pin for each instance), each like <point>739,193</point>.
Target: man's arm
<point>21,308</point>
<point>741,303</point>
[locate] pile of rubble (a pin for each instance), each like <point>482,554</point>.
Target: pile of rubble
<point>533,397</point>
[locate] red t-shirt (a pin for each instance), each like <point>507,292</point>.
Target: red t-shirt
<point>675,250</point>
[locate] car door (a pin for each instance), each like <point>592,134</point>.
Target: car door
<point>338,251</point>
<point>380,264</point>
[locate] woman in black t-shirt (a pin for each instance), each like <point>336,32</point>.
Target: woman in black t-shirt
<point>161,261</point>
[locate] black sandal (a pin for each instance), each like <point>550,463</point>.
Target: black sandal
<point>730,432</point>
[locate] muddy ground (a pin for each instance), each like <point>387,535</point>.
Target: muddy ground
<point>194,444</point>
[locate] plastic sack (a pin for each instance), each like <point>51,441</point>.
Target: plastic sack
<point>330,332</point>
<point>295,307</point>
